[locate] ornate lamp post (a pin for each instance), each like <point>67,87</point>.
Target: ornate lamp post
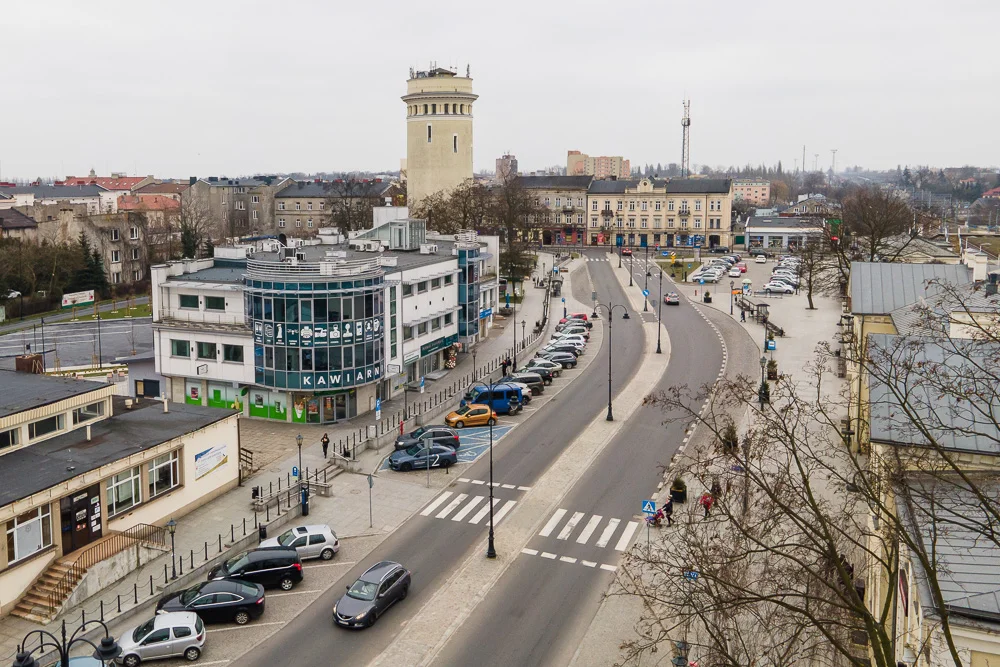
<point>172,528</point>
<point>659,315</point>
<point>491,551</point>
<point>631,264</point>
<point>105,653</point>
<point>611,309</point>
<point>732,284</point>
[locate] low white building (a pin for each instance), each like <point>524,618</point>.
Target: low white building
<point>777,233</point>
<point>97,199</point>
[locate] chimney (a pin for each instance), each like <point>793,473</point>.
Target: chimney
<point>88,432</point>
<point>163,397</point>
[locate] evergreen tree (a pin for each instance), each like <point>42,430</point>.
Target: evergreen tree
<point>189,241</point>
<point>209,248</point>
<point>99,279</point>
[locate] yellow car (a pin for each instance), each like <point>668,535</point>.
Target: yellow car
<point>471,415</point>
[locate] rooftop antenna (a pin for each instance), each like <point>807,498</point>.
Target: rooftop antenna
<point>686,140</point>
<point>815,161</point>
<point>833,165</point>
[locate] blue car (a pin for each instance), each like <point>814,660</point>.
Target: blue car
<point>418,456</point>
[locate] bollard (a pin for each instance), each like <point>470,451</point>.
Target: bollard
<point>164,573</point>
<point>232,531</point>
<point>135,592</point>
<point>102,611</point>
<point>220,543</point>
<point>288,481</point>
<point>244,526</point>
<point>118,598</point>
<point>150,584</point>
<point>324,475</point>
<point>267,509</point>
<point>180,566</point>
<point>206,550</point>
<point>192,559</point>
<point>270,488</point>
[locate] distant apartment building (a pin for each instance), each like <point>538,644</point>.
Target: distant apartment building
<point>172,190</point>
<point>302,207</point>
<point>234,206</point>
<point>753,191</point>
<point>600,167</point>
<point>506,168</point>
<point>97,199</point>
<point>564,199</point>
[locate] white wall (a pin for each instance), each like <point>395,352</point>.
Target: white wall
<point>421,305</point>
<point>218,369</point>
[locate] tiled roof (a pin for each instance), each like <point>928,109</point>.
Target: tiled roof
<point>699,186</point>
<point>12,219</point>
<point>555,182</point>
<point>147,203</point>
<point>107,182</point>
<point>334,189</point>
<point>57,191</point>
<point>163,188</point>
<point>878,288</point>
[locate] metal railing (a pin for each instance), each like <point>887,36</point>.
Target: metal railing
<point>263,270</point>
<point>142,533</point>
<point>200,316</point>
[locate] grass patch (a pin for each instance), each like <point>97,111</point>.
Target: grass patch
<point>142,310</point>
<point>688,265</point>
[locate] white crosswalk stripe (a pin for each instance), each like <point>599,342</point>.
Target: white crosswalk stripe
<point>609,530</point>
<point>589,529</point>
<point>443,514</point>
<point>437,501</point>
<point>469,506</point>
<point>508,506</point>
<point>626,535</point>
<point>449,506</point>
<point>553,522</point>
<point>570,525</point>
<point>622,529</point>
<point>481,514</point>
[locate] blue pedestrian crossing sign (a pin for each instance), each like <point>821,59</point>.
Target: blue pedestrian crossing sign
<point>666,254</point>
<point>295,471</point>
<point>645,292</point>
<point>649,506</point>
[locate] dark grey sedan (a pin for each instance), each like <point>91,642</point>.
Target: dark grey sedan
<point>438,434</point>
<point>381,586</point>
<point>566,359</point>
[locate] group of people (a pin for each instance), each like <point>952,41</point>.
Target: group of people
<point>711,496</point>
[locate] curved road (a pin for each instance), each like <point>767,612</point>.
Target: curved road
<point>541,607</point>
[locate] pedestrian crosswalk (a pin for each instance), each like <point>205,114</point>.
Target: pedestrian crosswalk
<point>597,259</point>
<point>589,529</point>
<point>458,507</point>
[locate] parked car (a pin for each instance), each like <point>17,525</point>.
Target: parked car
<point>439,434</point>
<point>777,286</point>
<point>626,252</point>
<point>381,586</point>
<point>505,399</point>
<point>720,249</point>
<point>474,390</point>
<point>218,601</point>
<point>315,541</point>
<point>471,415</point>
<point>546,374</point>
<point>672,299</point>
<point>735,273</point>
<point>539,362</point>
<point>575,350</point>
<point>267,566</point>
<point>565,359</point>
<point>421,456</point>
<point>761,258</point>
<point>533,381</point>
<point>574,339</point>
<point>13,294</point>
<point>179,633</point>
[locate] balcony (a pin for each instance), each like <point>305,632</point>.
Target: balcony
<point>201,316</point>
<point>568,208</point>
<point>608,213</point>
<point>684,212</point>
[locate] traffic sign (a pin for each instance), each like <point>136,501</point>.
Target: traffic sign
<point>666,254</point>
<point>564,299</point>
<point>702,281</point>
<point>691,575</point>
<point>645,292</point>
<point>421,384</point>
<point>593,296</point>
<point>295,472</point>
<point>771,345</point>
<point>378,409</point>
<point>649,506</point>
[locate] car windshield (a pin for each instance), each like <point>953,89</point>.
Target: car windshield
<point>413,450</point>
<point>464,410</point>
<point>362,590</point>
<point>284,539</point>
<point>143,630</point>
<point>238,561</point>
<point>188,596</point>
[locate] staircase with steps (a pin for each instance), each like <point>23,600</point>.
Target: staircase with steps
<point>46,598</point>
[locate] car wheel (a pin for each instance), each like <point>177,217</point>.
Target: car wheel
<point>767,291</point>
<point>241,617</point>
<point>286,584</point>
<point>459,424</point>
<point>371,620</point>
<point>406,467</point>
<point>403,593</point>
<point>491,421</point>
<point>327,554</point>
<point>192,654</point>
<point>131,661</point>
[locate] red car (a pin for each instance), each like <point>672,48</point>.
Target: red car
<point>626,251</point>
<point>574,316</point>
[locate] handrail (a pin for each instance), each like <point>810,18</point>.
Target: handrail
<point>140,533</point>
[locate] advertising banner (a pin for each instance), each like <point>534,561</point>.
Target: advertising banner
<point>210,459</point>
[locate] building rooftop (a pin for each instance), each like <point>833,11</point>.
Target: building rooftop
<point>163,188</point>
<point>555,182</point>
<point>25,391</point>
<point>12,219</point>
<point>373,188</point>
<point>147,203</point>
<point>254,182</point>
<point>777,222</point>
<point>107,182</point>
<point>699,186</point>
<point>878,288</point>
<point>37,467</point>
<point>943,309</point>
<point>56,191</point>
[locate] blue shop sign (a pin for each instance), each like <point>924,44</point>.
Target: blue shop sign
<point>486,312</point>
<point>439,344</point>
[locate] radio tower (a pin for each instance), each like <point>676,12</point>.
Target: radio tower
<point>686,141</point>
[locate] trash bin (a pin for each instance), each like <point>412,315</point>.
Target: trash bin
<point>262,532</point>
<point>305,501</point>
<point>707,298</point>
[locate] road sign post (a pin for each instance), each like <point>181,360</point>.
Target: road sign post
<point>378,409</point>
<point>371,483</point>
<point>649,506</point>
<point>295,472</point>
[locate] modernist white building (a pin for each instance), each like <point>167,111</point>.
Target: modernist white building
<point>316,333</point>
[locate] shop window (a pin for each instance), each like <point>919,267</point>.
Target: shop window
<point>163,474</point>
<point>43,427</point>
<point>233,353</point>
<point>306,306</point>
<point>307,360</point>
<point>123,491</point>
<point>207,351</point>
<point>88,412</point>
<point>189,300</point>
<point>215,303</point>
<point>180,348</point>
<point>29,533</point>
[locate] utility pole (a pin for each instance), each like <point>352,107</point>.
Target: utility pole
<point>833,164</point>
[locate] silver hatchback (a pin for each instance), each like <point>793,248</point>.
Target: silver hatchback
<point>317,541</point>
<point>164,636</point>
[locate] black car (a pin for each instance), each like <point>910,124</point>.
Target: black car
<point>544,373</point>
<point>268,566</point>
<point>381,586</point>
<point>563,347</point>
<point>438,434</point>
<point>720,250</point>
<point>567,359</point>
<point>218,601</point>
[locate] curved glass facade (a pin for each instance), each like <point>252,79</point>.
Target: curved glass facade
<point>313,333</point>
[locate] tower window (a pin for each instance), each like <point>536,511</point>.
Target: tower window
<point>463,110</point>
<point>428,133</point>
<point>425,109</point>
<point>446,108</point>
<point>434,108</point>
<point>454,143</point>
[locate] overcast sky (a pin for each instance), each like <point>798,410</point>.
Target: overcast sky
<point>182,88</point>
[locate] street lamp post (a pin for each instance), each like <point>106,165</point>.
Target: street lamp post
<point>172,528</point>
<point>732,284</point>
<point>100,354</point>
<point>524,323</point>
<point>513,318</point>
<point>659,315</point>
<point>491,551</point>
<point>611,309</point>
<point>303,487</point>
<point>107,652</point>
<point>760,392</point>
<point>473,366</point>
<point>631,264</point>
<point>619,255</point>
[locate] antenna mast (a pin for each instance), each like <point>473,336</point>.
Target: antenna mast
<point>833,165</point>
<point>686,140</point>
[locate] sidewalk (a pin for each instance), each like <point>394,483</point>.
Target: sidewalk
<point>205,535</point>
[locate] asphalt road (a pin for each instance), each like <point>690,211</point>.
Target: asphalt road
<point>18,324</point>
<point>539,610</point>
<point>433,548</point>
<point>76,343</point>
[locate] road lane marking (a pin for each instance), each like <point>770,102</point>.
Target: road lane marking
<point>626,535</point>
<point>530,552</point>
<point>508,506</point>
<point>469,506</point>
<point>589,529</point>
<point>609,530</point>
<point>278,595</point>
<point>567,559</point>
<point>609,568</point>
<point>478,481</point>
<point>437,501</point>
<point>524,488</point>
<point>452,505</point>
<point>588,563</point>
<point>508,486</point>
<point>214,662</point>
<point>570,525</point>
<point>553,522</point>
<point>248,626</point>
<point>483,512</point>
<point>546,554</point>
<point>463,479</point>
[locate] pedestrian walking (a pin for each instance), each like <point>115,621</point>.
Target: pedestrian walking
<point>707,501</point>
<point>668,512</point>
<point>743,315</point>
<point>504,365</point>
<point>326,443</point>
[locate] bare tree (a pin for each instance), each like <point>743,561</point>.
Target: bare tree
<point>196,225</point>
<point>350,203</point>
<point>819,270</point>
<point>874,221</point>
